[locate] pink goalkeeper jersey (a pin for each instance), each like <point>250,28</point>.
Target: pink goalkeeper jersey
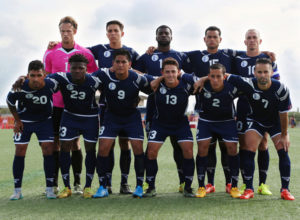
<point>56,60</point>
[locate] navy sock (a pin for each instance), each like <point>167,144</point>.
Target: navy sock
<point>249,167</point>
<point>225,163</point>
<point>56,167</point>
<point>139,168</point>
<point>284,168</point>
<point>18,169</point>
<point>178,158</point>
<point>211,164</point>
<point>49,169</point>
<point>125,160</point>
<point>110,165</point>
<point>90,164</point>
<point>102,167</point>
<point>234,163</point>
<point>201,164</point>
<point>188,172</point>
<point>77,165</point>
<point>65,163</point>
<point>242,159</point>
<point>151,171</point>
<point>263,158</point>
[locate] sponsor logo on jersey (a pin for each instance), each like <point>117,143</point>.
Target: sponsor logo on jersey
<point>112,86</point>
<point>207,95</point>
<point>163,90</point>
<point>28,96</point>
<point>256,96</point>
<point>154,57</point>
<point>70,87</point>
<point>205,58</point>
<point>107,53</point>
<point>244,63</point>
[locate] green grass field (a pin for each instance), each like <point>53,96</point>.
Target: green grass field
<point>168,204</point>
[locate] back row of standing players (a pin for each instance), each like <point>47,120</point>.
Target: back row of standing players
<point>198,62</point>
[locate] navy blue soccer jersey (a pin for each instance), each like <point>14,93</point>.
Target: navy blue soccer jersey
<point>265,104</point>
<point>202,60</point>
<point>103,53</point>
<point>152,64</point>
<point>217,106</point>
<point>122,95</point>
<point>244,65</point>
<point>33,105</point>
<point>78,99</point>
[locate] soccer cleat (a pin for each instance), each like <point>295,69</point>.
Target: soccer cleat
<point>55,189</point>
<point>87,193</point>
<point>264,190</point>
<point>145,186</point>
<point>210,188</point>
<point>125,189</point>
<point>101,192</point>
<point>150,193</point>
<point>66,192</point>
<point>286,195</point>
<point>228,188</point>
<point>235,192</point>
<point>201,192</point>
<point>16,196</point>
<point>109,189</point>
<point>242,189</point>
<point>188,193</point>
<point>181,187</point>
<point>78,189</point>
<point>50,193</point>
<point>248,194</point>
<point>138,193</point>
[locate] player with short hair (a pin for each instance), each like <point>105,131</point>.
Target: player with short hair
<point>56,60</point>
<point>121,89</point>
<point>216,118</point>
<point>169,119</point>
<point>152,65</point>
<point>244,65</point>
<point>270,101</point>
<point>33,115</point>
<point>80,116</point>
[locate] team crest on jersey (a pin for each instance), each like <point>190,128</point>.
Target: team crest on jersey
<point>256,96</point>
<point>70,87</point>
<point>112,86</point>
<point>244,63</point>
<point>163,90</point>
<point>107,53</point>
<point>154,57</point>
<point>207,95</point>
<point>28,96</point>
<point>205,58</point>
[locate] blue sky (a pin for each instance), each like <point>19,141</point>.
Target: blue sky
<point>27,26</point>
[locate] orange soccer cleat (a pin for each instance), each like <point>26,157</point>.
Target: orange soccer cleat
<point>248,194</point>
<point>286,195</point>
<point>228,188</point>
<point>210,188</point>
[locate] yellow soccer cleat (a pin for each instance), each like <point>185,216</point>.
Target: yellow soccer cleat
<point>201,192</point>
<point>181,187</point>
<point>235,192</point>
<point>87,193</point>
<point>242,189</point>
<point>66,192</point>
<point>264,190</point>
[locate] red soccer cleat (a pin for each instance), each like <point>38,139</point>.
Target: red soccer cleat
<point>248,194</point>
<point>210,188</point>
<point>286,195</point>
<point>228,188</point>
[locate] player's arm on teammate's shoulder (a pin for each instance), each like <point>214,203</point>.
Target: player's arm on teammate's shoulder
<point>272,55</point>
<point>284,138</point>
<point>19,83</point>
<point>199,84</point>
<point>150,50</point>
<point>52,44</point>
<point>18,127</point>
<point>154,83</point>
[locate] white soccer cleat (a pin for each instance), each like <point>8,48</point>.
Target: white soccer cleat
<point>16,196</point>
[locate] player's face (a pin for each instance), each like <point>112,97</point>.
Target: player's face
<point>216,78</point>
<point>121,65</point>
<point>78,71</point>
<point>252,40</point>
<point>263,73</point>
<point>114,33</point>
<point>36,78</point>
<point>170,74</point>
<point>164,36</point>
<point>67,32</point>
<point>212,39</point>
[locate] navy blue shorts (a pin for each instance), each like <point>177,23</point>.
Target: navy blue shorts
<point>273,130</point>
<point>72,126</point>
<point>42,129</point>
<point>159,132</point>
<point>128,126</point>
<point>225,129</point>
